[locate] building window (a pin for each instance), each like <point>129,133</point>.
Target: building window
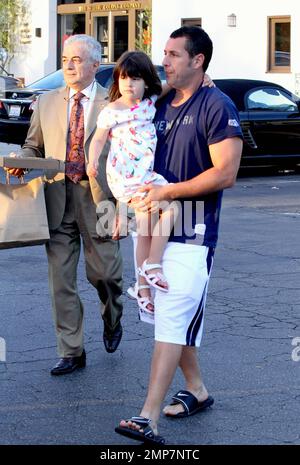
<point>279,59</point>
<point>101,26</point>
<point>69,25</point>
<point>111,30</point>
<point>191,22</point>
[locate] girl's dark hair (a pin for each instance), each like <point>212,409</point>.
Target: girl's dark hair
<point>135,64</point>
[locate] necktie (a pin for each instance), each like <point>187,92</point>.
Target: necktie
<point>75,163</point>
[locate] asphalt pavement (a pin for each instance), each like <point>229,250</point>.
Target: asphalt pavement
<point>248,359</point>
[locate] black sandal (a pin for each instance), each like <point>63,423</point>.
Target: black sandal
<point>146,435</point>
<point>190,404</point>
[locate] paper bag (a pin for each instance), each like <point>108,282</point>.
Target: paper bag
<point>23,216</point>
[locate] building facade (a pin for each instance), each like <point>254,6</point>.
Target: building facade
<point>260,42</point>
<point>36,54</point>
<point>118,25</point>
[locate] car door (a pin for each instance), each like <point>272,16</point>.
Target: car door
<point>274,122</point>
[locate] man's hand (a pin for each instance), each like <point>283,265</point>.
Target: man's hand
<point>150,203</point>
<point>18,172</point>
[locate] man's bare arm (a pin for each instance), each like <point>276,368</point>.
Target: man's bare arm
<point>225,156</point>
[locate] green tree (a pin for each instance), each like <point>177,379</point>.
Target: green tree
<point>144,31</point>
<point>11,12</point>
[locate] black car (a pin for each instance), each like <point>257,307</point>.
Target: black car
<point>270,120</point>
<point>16,105</point>
<point>269,113</point>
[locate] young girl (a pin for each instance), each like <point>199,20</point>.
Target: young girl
<point>127,122</point>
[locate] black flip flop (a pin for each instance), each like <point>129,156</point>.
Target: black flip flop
<point>190,404</point>
<point>146,436</point>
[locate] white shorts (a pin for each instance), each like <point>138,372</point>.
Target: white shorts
<point>179,313</point>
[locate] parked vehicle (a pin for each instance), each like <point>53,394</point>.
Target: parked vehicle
<point>269,113</point>
<point>16,105</point>
<point>9,82</point>
<point>270,120</point>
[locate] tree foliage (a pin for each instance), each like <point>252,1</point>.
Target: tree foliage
<point>144,31</point>
<point>11,12</point>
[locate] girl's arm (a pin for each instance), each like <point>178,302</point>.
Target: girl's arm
<point>96,146</point>
<point>207,81</point>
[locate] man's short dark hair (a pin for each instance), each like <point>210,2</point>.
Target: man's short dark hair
<point>197,41</point>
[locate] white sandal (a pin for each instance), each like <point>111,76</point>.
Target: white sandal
<point>133,292</point>
<point>153,278</point>
<point>144,301</point>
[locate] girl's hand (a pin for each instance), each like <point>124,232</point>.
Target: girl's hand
<point>116,229</point>
<point>92,170</point>
<point>207,81</point>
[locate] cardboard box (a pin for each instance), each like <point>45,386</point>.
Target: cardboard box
<point>29,163</point>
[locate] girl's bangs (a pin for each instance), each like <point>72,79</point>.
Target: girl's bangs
<point>130,69</point>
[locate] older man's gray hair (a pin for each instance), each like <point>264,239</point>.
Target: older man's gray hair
<point>92,45</point>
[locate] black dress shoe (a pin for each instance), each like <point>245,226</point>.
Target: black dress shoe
<point>112,339</point>
<point>68,364</point>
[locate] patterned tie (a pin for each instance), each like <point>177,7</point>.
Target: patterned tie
<point>75,163</point>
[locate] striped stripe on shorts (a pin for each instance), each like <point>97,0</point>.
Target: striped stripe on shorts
<point>179,313</point>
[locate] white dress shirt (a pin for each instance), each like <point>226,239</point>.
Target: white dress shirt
<point>90,93</point>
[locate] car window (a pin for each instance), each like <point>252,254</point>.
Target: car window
<point>104,77</point>
<point>161,73</point>
<point>270,99</point>
<point>52,81</point>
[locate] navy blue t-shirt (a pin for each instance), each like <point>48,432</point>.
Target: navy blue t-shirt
<point>184,134</point>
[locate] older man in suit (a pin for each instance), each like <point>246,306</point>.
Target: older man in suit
<point>62,126</point>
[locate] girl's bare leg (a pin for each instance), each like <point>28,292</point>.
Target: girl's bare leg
<point>160,236</point>
<point>143,249</point>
